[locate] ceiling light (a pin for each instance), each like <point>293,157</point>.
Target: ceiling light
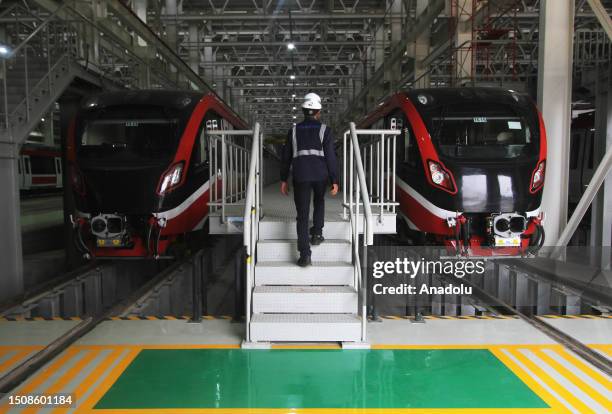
<point>290,45</point>
<point>4,50</point>
<point>292,77</point>
<point>294,117</point>
<point>293,95</point>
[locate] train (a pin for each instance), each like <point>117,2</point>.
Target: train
<point>471,164</point>
<point>39,168</point>
<point>138,165</point>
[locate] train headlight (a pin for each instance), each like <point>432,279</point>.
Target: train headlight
<point>440,177</point>
<point>537,178</point>
<point>502,225</point>
<point>98,225</point>
<point>422,99</point>
<point>170,179</point>
<point>437,177</point>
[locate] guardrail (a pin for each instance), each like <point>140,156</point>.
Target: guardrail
<point>251,220</point>
<point>233,160</point>
<point>377,177</point>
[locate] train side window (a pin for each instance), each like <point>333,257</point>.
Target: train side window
<point>43,165</point>
<point>26,164</point>
<point>200,148</point>
<point>411,155</point>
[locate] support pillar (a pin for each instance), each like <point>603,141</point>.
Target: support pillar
<point>47,129</point>
<point>140,8</point>
<point>462,10</point>
<point>194,48</point>
<point>393,71</point>
<point>171,10</point>
<point>11,260</point>
<point>421,50</point>
<point>556,34</point>
<point>601,209</point>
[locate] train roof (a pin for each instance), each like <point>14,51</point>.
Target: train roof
<point>168,98</point>
<point>466,95</point>
<point>437,96</point>
<point>174,99</point>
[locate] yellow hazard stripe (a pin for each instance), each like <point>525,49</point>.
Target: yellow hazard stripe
<point>550,381</point>
<point>574,379</point>
<point>535,386</point>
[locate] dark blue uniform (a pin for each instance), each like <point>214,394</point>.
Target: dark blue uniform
<point>309,151</point>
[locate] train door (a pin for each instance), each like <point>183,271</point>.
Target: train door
<point>58,172</point>
<point>27,172</point>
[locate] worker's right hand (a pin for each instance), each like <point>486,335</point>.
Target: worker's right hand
<point>284,188</point>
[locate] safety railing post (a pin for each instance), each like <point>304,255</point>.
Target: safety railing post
<point>223,177</point>
<point>27,85</point>
<point>6,114</point>
<point>344,189</point>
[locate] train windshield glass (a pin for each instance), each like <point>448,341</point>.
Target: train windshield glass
<point>147,136</point>
<point>497,132</point>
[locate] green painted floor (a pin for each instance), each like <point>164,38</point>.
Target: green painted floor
<point>235,378</point>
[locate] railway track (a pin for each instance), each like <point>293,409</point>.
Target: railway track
<point>91,295</point>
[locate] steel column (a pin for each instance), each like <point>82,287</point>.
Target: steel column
<point>11,260</point>
<point>601,210</point>
<point>554,99</point>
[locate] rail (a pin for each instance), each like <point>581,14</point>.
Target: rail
<point>251,220</point>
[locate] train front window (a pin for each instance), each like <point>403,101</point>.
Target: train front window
<point>148,138</point>
<point>493,133</point>
<point>130,133</point>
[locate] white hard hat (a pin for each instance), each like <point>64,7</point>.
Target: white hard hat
<point>312,101</point>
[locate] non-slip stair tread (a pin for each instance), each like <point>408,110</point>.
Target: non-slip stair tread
<point>294,266</point>
<point>305,289</point>
<point>323,318</point>
<point>293,241</point>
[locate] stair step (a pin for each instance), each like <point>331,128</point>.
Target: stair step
<point>306,327</point>
<point>288,273</point>
<point>273,229</point>
<point>304,299</point>
<point>286,251</point>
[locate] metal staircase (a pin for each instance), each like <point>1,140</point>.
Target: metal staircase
<point>41,57</point>
<point>326,301</point>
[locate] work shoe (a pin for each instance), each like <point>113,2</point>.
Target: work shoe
<point>316,239</point>
<point>304,261</point>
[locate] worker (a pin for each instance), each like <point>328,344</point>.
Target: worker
<point>309,151</point>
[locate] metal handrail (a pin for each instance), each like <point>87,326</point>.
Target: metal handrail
<point>363,188</point>
<point>251,221</point>
<point>360,190</point>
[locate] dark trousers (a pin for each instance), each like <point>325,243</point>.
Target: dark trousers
<point>302,194</point>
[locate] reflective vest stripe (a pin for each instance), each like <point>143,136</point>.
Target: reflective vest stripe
<point>318,153</point>
<point>295,151</point>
